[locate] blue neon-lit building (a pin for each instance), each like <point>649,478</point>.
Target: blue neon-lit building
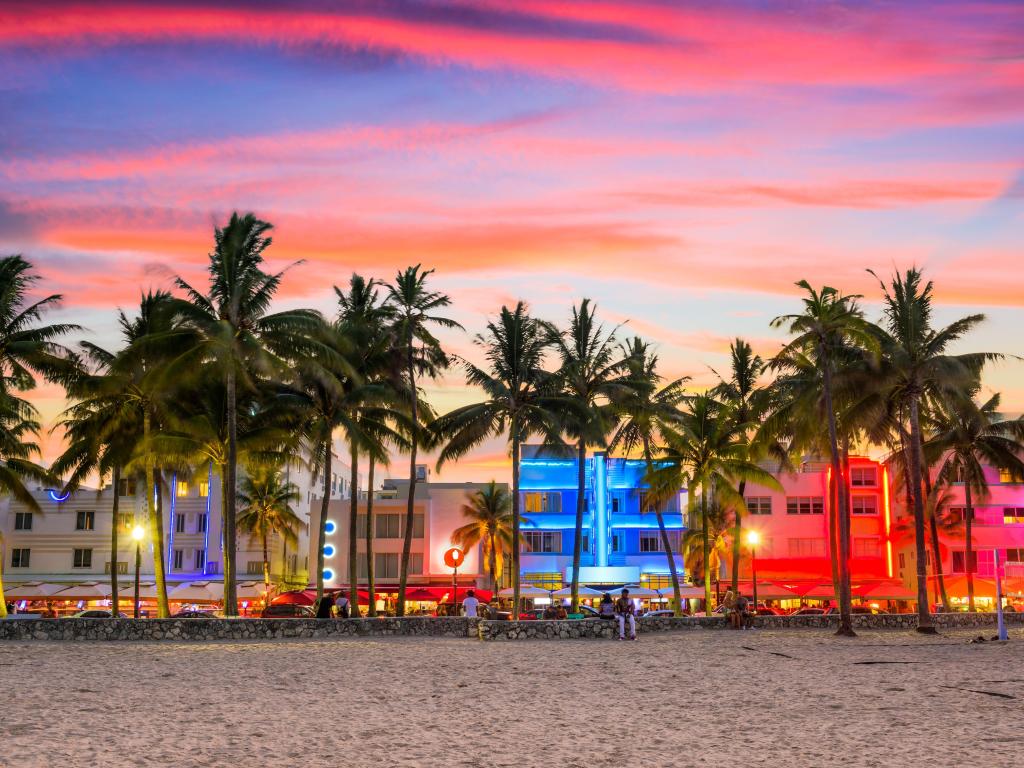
<point>621,542</point>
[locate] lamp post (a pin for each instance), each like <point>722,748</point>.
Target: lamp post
<point>138,532</point>
<point>753,539</point>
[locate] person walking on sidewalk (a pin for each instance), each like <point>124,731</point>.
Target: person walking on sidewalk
<point>625,611</point>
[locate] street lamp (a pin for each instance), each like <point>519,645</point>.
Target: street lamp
<point>753,539</point>
<point>138,532</point>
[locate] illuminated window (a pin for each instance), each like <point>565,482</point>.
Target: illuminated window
<point>204,488</point>
<point>807,547</point>
<point>542,541</point>
<point>656,580</point>
<point>20,557</point>
<point>125,487</point>
<point>863,476</point>
<point>125,521</point>
<point>1013,515</point>
<point>543,580</point>
<point>182,488</point>
<point>82,558</point>
<point>538,502</point>
<point>759,505</point>
<point>869,547</point>
<point>85,520</point>
<point>1006,476</point>
<point>865,505</point>
<point>805,505</point>
<point>122,567</point>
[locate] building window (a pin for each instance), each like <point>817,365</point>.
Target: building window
<point>20,557</point>
<point>805,505</point>
<point>865,505</point>
<point>585,541</point>
<point>85,520</point>
<point>254,567</point>
<point>178,559</point>
<point>201,522</point>
<point>386,565</point>
<point>615,503</point>
<point>23,521</point>
<point>863,477</point>
<point>543,580</point>
<point>656,580</point>
<point>1014,555</point>
<point>417,526</point>
<point>759,505</point>
<point>179,523</point>
<point>537,502</point>
<point>1006,476</point>
<point>618,541</point>
<point>182,488</point>
<point>543,541</point>
<point>82,558</point>
<point>650,541</point>
<point>125,487</point>
<point>125,520</point>
<point>388,526</point>
<point>646,505</point>
<point>806,547</point>
<point>869,547</point>
<point>960,557</point>
<point>200,559</point>
<point>122,567</point>
<point>903,560</point>
<point>204,488</point>
<point>1013,515</point>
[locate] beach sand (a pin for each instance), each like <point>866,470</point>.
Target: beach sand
<point>714,698</point>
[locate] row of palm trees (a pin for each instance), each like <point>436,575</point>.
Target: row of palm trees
<point>209,378</point>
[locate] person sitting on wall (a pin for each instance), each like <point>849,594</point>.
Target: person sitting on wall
<point>625,612</point>
<point>324,606</point>
<point>561,613</point>
<point>606,610</point>
<point>550,612</point>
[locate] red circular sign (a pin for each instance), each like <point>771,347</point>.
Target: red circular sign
<point>453,557</point>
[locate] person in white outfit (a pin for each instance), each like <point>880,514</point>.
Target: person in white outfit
<point>470,604</point>
<point>625,611</point>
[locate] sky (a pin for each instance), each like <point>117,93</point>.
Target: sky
<point>681,164</point>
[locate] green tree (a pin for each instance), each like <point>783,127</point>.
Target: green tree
<point>647,412</point>
<point>241,339</point>
<point>415,309</point>
<point>518,400</point>
<point>266,501</point>
<point>715,527</point>
<point>489,511</point>
<point>591,373</point>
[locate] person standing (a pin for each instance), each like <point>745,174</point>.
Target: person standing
<point>470,605</point>
<point>625,611</point>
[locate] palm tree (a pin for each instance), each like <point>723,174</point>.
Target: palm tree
<point>715,527</point>
<point>709,447</point>
<point>18,424</point>
<point>266,510</point>
<point>918,367</point>
<point>241,338</point>
<point>489,511</point>
<point>829,326</point>
<point>747,402</point>
<point>590,375</point>
<point>646,414</point>
<point>519,401</point>
<point>415,307</point>
<point>967,436</point>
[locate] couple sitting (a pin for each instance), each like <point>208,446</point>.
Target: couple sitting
<point>622,610</point>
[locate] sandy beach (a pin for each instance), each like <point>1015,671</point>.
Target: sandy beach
<point>797,698</point>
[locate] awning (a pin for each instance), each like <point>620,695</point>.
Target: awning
<point>767,590</point>
<point>885,591</point>
<point>526,590</point>
<point>90,590</point>
<point>585,592</point>
<point>197,592</point>
<point>956,586</point>
<point>33,590</point>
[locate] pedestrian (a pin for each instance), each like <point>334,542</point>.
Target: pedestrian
<point>729,603</point>
<point>625,611</point>
<point>470,605</point>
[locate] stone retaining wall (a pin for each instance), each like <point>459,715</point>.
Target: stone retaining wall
<point>205,630</point>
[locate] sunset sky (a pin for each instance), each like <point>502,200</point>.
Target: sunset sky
<point>682,165</point>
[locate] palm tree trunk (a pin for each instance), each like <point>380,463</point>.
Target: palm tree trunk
<point>403,575</point>
<point>229,491</point>
<point>968,548</point>
<point>924,619</point>
<point>266,565</point>
<point>114,602</point>
<point>155,523</point>
<point>353,535</point>
<point>577,546</point>
<point>843,512</point>
<point>515,518</point>
<point>705,546</point>
<point>492,561</point>
<point>737,535</point>
<point>324,508</point>
<point>833,528</point>
<point>677,604</point>
<point>371,609</point>
<point>933,532</point>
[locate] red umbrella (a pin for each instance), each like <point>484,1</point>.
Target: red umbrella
<point>297,597</point>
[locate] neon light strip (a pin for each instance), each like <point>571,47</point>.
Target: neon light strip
<point>57,497</point>
<point>888,520</point>
<point>174,496</point>
<point>206,536</point>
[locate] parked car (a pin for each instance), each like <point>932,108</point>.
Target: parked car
<point>766,610</point>
<point>659,612</point>
<point>809,612</point>
<point>194,615</point>
<point>287,611</point>
<point>862,609</point>
<point>96,614</point>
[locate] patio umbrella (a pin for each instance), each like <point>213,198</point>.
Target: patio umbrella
<point>90,590</point>
<point>767,590</point>
<point>423,595</point>
<point>526,590</point>
<point>197,592</point>
<point>643,592</point>
<point>824,591</point>
<point>585,592</point>
<point>296,597</point>
<point>888,591</point>
<point>33,590</point>
<point>250,590</point>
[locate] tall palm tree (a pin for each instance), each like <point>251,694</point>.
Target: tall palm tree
<point>709,447</point>
<point>647,411</point>
<point>967,437</point>
<point>591,373</point>
<point>18,425</point>
<point>746,401</point>
<point>266,501</point>
<point>415,309</point>
<point>829,326</point>
<point>715,527</point>
<point>489,511</point>
<point>519,401</point>
<point>241,338</point>
<point>918,366</point>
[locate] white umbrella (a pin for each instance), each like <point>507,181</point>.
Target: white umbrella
<point>643,592</point>
<point>33,590</point>
<point>90,590</point>
<point>525,591</point>
<point>584,592</point>
<point>197,592</point>
<point>250,590</point>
